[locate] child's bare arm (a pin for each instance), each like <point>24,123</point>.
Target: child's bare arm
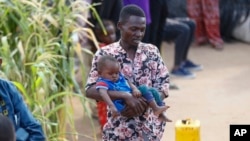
<point>109,102</point>
<point>135,91</point>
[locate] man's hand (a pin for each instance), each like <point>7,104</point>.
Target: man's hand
<point>114,111</point>
<point>134,106</point>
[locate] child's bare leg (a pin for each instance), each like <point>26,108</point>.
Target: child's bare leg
<point>157,109</point>
<point>163,117</point>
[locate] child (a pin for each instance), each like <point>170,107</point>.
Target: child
<point>7,132</point>
<point>111,79</point>
<point>104,39</point>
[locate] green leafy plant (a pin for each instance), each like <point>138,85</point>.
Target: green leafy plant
<point>38,54</point>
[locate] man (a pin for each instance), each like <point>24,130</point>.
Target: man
<point>141,64</point>
<point>12,105</point>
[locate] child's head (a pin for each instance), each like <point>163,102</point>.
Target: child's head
<point>7,132</point>
<point>108,68</point>
<point>110,37</point>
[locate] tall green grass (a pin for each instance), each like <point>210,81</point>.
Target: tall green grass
<point>38,56</point>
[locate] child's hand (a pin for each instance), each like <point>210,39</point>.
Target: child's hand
<point>136,93</point>
<point>114,111</point>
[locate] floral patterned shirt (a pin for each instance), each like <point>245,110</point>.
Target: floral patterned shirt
<point>148,69</point>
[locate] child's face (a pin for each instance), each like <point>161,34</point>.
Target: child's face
<point>110,71</point>
<point>111,35</point>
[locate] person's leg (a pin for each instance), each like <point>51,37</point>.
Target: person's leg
<point>158,109</point>
<point>211,14</point>
<point>194,10</point>
<point>188,64</point>
<point>179,32</point>
<point>191,27</point>
<point>158,100</point>
<point>156,96</point>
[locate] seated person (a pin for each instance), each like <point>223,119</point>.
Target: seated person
<point>110,78</point>
<point>181,31</point>
<point>27,128</point>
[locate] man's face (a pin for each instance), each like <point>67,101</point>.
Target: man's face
<point>132,31</point>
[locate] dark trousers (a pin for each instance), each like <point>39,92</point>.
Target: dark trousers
<point>158,13</point>
<point>181,31</point>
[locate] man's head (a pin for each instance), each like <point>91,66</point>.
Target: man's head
<point>130,10</point>
<point>7,132</point>
<point>132,25</point>
<point>108,38</point>
<point>108,68</point>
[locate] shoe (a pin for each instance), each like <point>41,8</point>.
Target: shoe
<point>218,47</point>
<point>183,73</point>
<point>189,65</point>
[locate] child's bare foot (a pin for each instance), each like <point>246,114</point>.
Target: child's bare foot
<point>159,110</point>
<point>164,117</point>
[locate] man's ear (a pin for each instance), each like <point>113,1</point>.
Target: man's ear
<point>119,25</point>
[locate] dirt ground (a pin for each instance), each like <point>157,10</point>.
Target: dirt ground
<point>217,97</point>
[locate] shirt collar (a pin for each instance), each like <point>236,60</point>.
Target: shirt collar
<point>139,48</point>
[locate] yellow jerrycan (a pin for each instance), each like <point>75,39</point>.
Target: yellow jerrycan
<point>187,130</point>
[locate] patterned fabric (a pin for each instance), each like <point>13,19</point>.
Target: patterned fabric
<point>102,113</point>
<point>206,14</point>
<point>147,68</point>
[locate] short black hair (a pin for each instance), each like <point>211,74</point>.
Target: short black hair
<point>7,132</point>
<point>130,10</point>
<point>103,60</point>
<point>106,23</point>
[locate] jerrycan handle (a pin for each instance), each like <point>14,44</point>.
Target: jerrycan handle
<point>186,121</point>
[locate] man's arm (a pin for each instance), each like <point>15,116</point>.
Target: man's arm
<point>92,93</point>
<point>134,106</point>
<point>161,79</point>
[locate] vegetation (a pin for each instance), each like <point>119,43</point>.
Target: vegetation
<point>38,54</point>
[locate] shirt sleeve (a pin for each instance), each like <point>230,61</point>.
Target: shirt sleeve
<point>27,121</point>
<point>161,80</point>
<point>101,85</point>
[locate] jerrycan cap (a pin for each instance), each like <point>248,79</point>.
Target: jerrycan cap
<point>186,121</point>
